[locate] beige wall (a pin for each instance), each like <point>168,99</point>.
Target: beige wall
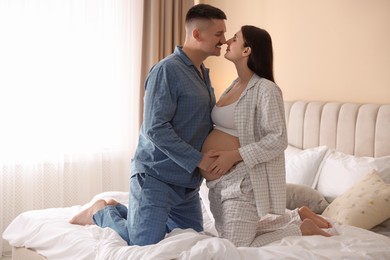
<point>328,50</point>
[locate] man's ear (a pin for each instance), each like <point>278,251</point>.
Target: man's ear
<point>196,34</point>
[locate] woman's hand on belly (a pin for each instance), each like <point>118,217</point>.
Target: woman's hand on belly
<point>224,161</point>
<point>222,154</point>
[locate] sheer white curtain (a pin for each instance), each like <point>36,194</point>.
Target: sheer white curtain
<point>69,101</point>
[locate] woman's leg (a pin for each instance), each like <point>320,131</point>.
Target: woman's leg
<point>271,222</point>
<point>233,207</point>
<point>239,220</point>
<point>297,222</point>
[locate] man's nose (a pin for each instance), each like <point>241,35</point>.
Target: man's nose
<point>223,40</point>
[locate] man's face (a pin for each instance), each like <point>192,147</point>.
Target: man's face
<point>213,37</point>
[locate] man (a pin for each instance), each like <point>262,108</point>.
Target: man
<point>165,178</point>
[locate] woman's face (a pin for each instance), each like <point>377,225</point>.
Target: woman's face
<point>235,49</point>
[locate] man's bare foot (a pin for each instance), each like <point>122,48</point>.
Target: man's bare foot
<point>309,228</point>
<point>85,216</point>
<point>306,213</point>
<point>111,202</point>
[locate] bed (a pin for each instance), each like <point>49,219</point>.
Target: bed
<point>337,163</point>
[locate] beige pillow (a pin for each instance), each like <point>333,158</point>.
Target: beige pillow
<point>301,195</point>
<point>365,204</point>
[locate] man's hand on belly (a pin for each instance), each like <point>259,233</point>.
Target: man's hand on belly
<point>207,160</point>
<point>224,161</point>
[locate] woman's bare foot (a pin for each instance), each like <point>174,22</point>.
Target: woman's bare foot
<point>306,213</point>
<point>309,228</point>
<point>85,216</point>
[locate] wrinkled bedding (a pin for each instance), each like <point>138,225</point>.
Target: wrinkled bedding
<point>48,232</point>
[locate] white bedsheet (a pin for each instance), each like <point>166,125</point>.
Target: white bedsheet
<point>50,234</point>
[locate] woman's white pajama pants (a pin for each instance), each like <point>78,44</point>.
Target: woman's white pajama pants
<point>233,205</point>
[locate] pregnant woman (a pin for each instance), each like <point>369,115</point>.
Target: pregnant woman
<point>248,142</point>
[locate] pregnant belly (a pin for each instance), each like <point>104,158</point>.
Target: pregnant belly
<point>220,141</point>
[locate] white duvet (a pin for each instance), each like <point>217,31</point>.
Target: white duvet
<point>49,233</point>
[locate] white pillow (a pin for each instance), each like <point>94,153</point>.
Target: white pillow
<point>365,204</point>
<point>291,151</point>
<point>302,165</point>
<point>340,171</point>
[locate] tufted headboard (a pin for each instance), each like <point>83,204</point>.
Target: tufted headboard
<point>356,129</point>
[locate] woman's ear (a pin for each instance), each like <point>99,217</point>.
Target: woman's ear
<point>247,51</point>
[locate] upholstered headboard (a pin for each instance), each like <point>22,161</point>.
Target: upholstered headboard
<point>357,129</point>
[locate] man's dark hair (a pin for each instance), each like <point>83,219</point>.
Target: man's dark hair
<point>205,11</point>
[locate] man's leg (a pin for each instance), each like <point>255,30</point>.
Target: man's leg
<point>110,217</point>
<point>188,211</point>
<point>149,205</point>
